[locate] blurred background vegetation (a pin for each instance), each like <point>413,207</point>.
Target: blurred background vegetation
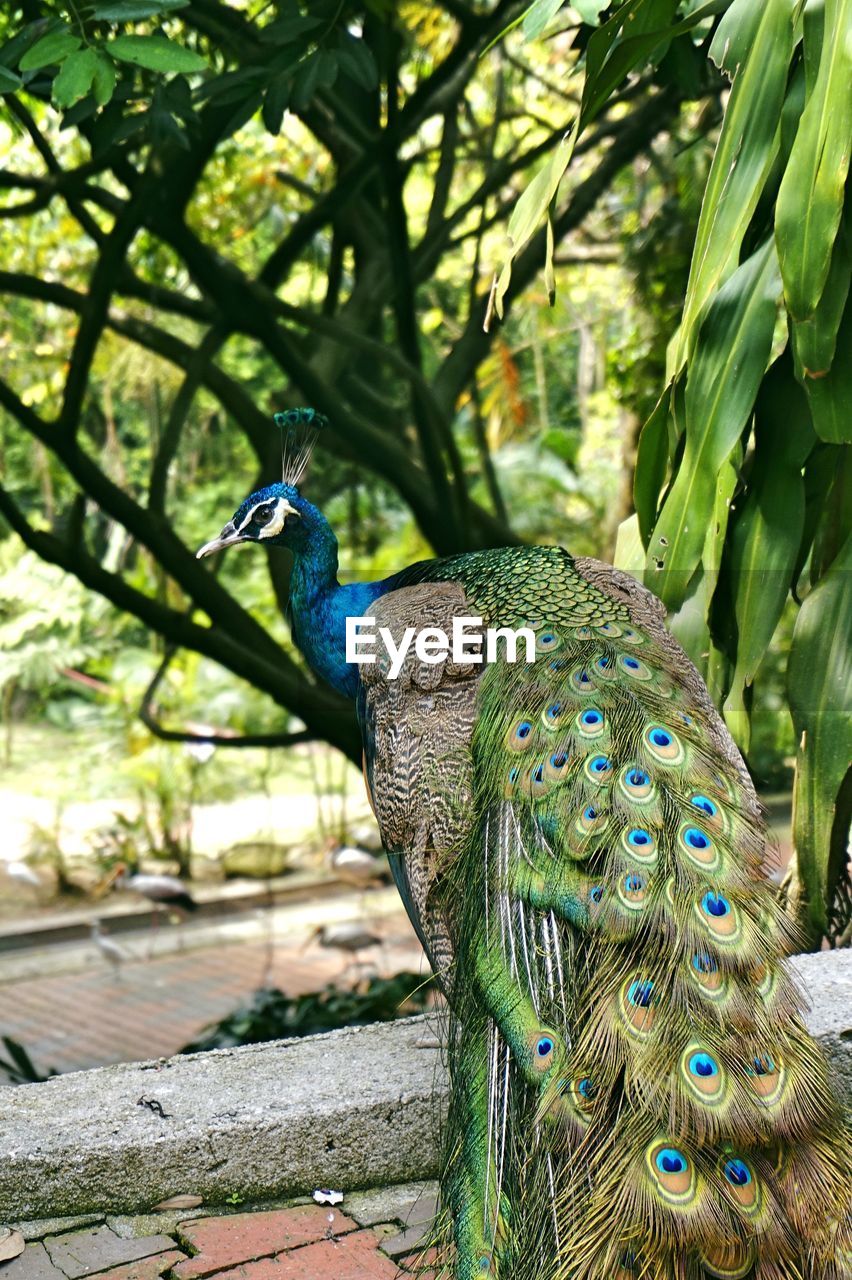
<point>212,211</point>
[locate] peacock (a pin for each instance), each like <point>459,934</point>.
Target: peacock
<point>581,851</point>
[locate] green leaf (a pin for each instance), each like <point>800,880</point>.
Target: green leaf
<point>357,61</point>
<point>104,79</point>
<point>629,553</point>
<point>637,29</point>
<point>155,53</point>
<point>689,624</point>
<point>755,42</point>
<point>75,77</point>
<point>815,339</point>
<point>306,81</point>
<point>538,17</point>
<point>9,81</point>
<point>818,478</point>
<point>835,519</point>
<point>767,531</point>
<point>810,198</point>
<point>652,458</point>
<point>275,102</point>
<point>724,374</point>
<point>289,28</point>
<point>590,10</point>
<point>813,29</point>
<point>532,206</point>
<point>831,395</point>
<point>50,49</point>
<point>733,39</point>
<point>135,10</point>
<point>819,688</point>
<point>327,68</point>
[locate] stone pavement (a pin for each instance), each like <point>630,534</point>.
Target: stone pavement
<point>151,1008</point>
<point>373,1235</point>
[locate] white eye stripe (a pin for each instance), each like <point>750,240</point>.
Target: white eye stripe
<point>276,524</point>
<point>250,514</point>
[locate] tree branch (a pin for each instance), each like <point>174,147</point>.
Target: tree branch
<point>221,739</point>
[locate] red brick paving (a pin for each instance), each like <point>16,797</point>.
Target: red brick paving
<point>223,1242</point>
<point>349,1257</point>
<point>304,1242</point>
<point>154,1007</point>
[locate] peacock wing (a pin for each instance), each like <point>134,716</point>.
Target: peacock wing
<point>417,729</point>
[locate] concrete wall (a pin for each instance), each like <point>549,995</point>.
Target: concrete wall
<point>356,1108</point>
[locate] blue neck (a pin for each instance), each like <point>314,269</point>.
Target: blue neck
<point>321,605</point>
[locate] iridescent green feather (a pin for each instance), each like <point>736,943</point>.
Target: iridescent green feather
<point>626,1048</point>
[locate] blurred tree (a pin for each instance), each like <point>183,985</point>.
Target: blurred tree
<point>295,265</point>
<point>741,484</point>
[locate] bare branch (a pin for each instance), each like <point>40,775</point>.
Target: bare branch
<point>147,715</point>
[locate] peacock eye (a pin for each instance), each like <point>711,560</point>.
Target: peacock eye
<point>262,516</point>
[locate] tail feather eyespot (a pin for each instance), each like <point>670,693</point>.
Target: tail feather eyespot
<point>704,971</point>
<point>640,844</point>
<point>582,681</point>
<point>633,891</point>
<point>767,1076</point>
<point>732,1260</point>
<point>598,768</point>
<point>634,668</point>
<point>554,714</point>
<point>664,745</point>
<point>547,640</point>
<point>672,1173</point>
<point>719,916</point>
<point>545,1047</point>
<point>590,723</point>
<point>698,847</point>
<point>556,765</point>
<point>636,784</point>
<point>638,1005</point>
<point>741,1184</point>
<point>703,1074</point>
<point>521,735</point>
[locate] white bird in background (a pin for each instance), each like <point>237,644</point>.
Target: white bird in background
<point>24,874</point>
<point>165,893</point>
<point>359,866</point>
<point>110,950</point>
<point>160,890</point>
<point>350,937</point>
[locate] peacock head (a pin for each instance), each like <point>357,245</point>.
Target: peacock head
<point>278,515</point>
<point>274,515</point>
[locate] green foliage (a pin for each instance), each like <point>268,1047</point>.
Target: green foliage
<point>638,33</point>
<point>761,200</point>
<point>728,456</point>
<point>84,58</point>
<point>272,1015</point>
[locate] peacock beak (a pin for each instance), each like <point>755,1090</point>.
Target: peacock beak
<point>227,538</point>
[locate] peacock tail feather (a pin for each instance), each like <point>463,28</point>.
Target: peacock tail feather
<point>633,1092</point>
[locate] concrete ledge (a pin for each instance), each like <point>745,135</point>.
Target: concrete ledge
<point>357,1108</point>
